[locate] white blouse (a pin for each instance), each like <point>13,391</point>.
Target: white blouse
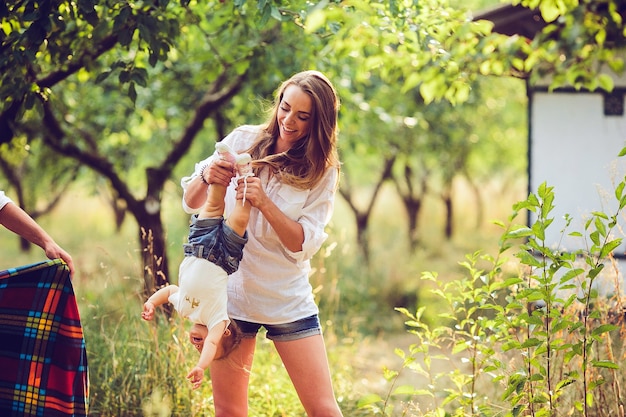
<point>4,200</point>
<point>272,285</point>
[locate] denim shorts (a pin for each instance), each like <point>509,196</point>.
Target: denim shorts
<point>298,329</point>
<point>213,240</point>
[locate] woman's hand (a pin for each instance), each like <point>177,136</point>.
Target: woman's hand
<point>289,231</point>
<point>53,251</point>
<point>219,172</point>
<point>254,192</point>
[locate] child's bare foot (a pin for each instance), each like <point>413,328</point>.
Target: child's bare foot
<point>225,152</point>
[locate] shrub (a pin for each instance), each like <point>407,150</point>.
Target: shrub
<point>537,331</point>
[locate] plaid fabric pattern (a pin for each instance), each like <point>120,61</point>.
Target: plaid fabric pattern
<point>43,361</point>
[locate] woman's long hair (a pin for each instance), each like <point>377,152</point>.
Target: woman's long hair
<point>304,165</point>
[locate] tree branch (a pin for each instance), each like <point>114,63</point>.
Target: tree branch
<point>98,163</point>
<point>54,78</point>
<point>211,101</point>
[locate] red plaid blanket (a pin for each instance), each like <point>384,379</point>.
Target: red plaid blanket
<point>43,361</point>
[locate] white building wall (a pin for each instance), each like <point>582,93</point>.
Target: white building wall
<point>574,147</point>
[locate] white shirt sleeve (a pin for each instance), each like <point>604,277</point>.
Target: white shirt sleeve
<point>4,200</point>
<point>316,214</point>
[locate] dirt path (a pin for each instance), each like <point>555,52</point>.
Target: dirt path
<point>376,354</point>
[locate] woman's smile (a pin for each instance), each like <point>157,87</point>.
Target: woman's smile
<point>294,117</point>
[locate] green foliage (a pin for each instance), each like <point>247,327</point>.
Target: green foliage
<point>545,335</point>
<point>438,49</point>
<point>414,45</point>
<point>581,38</point>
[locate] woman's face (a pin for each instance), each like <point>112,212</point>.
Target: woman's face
<point>294,117</point>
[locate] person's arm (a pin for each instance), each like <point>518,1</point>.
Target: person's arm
<point>218,172</point>
<point>19,222</point>
<point>302,236</point>
<point>158,298</point>
<point>209,349</point>
<point>289,231</point>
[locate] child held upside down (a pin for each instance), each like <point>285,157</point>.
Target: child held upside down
<point>214,250</point>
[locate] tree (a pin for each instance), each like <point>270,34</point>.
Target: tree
<point>437,50</point>
<point>78,71</point>
<point>51,182</point>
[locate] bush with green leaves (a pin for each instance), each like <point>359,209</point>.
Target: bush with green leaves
<point>531,337</point>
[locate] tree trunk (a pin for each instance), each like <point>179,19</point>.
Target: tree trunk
<point>413,208</point>
<point>362,219</point>
<point>24,245</point>
<point>153,252</point>
<point>449,227</point>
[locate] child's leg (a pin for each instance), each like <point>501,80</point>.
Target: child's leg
<point>214,205</point>
<point>238,219</point>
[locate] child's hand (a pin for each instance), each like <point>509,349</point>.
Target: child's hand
<point>148,311</point>
<point>195,376</point>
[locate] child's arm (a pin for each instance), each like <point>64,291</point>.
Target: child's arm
<point>158,298</point>
<point>209,349</point>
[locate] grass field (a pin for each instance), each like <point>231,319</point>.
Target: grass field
<point>138,368</point>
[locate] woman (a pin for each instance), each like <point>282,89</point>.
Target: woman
<point>292,197</point>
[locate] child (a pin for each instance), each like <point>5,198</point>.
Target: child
<point>214,250</point>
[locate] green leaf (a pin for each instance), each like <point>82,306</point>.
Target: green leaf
<point>532,342</point>
<point>276,14</point>
<point>132,92</point>
<point>609,247</point>
<point>315,20</point>
<point>428,90</point>
<point>369,400</point>
<point>606,82</point>
<point>604,328</point>
<point>520,232</point>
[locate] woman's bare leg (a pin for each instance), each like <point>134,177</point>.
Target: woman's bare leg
<point>230,378</point>
<point>307,365</point>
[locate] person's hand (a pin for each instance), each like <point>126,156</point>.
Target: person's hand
<point>148,311</point>
<point>54,251</point>
<point>219,172</point>
<point>255,193</point>
<point>195,376</point>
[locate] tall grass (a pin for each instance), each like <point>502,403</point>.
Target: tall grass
<point>138,368</point>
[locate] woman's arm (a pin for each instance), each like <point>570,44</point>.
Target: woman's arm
<point>218,172</point>
<point>290,232</point>
<point>19,222</point>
